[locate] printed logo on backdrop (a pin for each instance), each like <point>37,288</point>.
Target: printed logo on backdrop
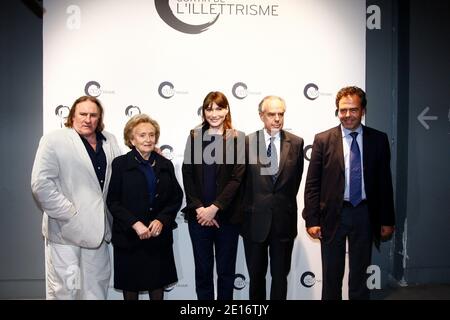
<point>132,111</point>
<point>307,152</point>
<point>180,15</point>
<point>167,151</point>
<point>239,281</point>
<point>169,288</point>
<point>240,91</point>
<point>93,89</point>
<point>167,15</point>
<point>167,90</point>
<point>311,92</point>
<point>308,279</point>
<point>62,112</point>
<point>179,285</point>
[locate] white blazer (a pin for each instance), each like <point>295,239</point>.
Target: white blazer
<point>64,184</point>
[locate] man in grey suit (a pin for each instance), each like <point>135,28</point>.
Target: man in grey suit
<point>349,196</point>
<point>70,178</point>
<point>274,170</point>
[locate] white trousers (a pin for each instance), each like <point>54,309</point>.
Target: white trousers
<point>74,273</point>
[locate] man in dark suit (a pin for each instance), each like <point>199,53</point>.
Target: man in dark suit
<point>349,196</point>
<point>274,171</point>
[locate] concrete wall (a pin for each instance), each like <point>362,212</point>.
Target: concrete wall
<point>21,249</point>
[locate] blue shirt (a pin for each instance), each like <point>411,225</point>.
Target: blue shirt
<point>146,166</point>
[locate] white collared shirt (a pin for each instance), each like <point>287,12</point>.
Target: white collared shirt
<point>346,144</point>
<point>276,141</point>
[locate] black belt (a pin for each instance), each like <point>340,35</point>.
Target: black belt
<point>348,204</point>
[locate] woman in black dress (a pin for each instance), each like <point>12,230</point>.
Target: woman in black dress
<point>144,198</point>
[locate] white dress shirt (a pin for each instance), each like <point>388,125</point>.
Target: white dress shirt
<point>276,141</point>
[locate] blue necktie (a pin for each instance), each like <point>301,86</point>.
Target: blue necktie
<point>355,172</point>
<point>273,156</point>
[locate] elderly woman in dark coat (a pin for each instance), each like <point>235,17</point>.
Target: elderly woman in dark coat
<point>144,198</point>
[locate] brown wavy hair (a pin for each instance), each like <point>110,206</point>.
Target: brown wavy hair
<point>100,125</point>
<point>221,100</point>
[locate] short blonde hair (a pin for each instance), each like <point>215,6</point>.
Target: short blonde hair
<point>133,122</point>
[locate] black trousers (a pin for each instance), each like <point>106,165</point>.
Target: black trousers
<point>354,227</point>
<point>257,255</point>
<point>221,244</point>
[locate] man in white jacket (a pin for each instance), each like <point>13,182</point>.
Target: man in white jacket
<point>69,181</point>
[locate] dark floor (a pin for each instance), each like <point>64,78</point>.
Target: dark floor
<point>414,292</point>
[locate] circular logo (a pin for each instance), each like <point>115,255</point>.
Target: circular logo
<point>311,91</point>
<point>307,155</point>
<point>239,90</point>
<point>170,288</point>
<point>92,88</point>
<point>166,14</point>
<point>132,111</point>
<point>62,111</point>
<point>239,281</point>
<point>308,279</point>
<point>167,151</point>
<point>166,90</point>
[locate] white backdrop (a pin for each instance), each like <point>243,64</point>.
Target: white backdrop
<point>153,57</point>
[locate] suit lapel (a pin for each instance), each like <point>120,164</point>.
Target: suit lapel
<point>109,158</point>
<point>337,141</point>
<point>260,144</point>
<point>261,152</point>
<point>366,149</point>
<point>285,146</point>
